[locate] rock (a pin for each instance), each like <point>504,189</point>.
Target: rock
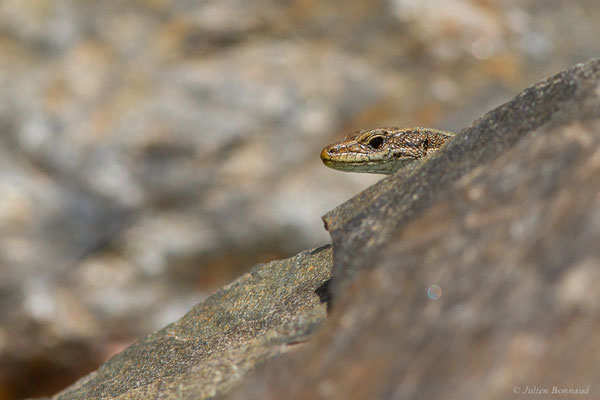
<point>473,275</point>
<point>470,275</point>
<point>140,161</point>
<point>370,220</point>
<point>272,309</point>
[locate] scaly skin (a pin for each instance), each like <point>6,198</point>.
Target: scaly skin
<point>383,150</point>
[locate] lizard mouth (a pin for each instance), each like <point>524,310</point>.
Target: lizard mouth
<point>350,162</point>
<point>344,165</point>
<point>354,165</point>
<point>333,157</point>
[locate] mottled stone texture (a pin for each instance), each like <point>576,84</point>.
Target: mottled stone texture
<point>506,220</point>
<point>367,222</point>
<point>272,309</point>
<point>152,151</point>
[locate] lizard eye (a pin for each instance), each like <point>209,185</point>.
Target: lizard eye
<point>375,142</point>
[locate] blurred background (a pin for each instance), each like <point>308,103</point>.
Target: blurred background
<point>152,151</point>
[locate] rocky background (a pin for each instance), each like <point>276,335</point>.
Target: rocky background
<point>469,276</point>
<point>150,151</point>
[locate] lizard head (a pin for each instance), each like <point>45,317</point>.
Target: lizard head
<point>382,150</point>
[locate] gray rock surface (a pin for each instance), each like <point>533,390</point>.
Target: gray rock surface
<point>270,310</point>
<point>506,222</point>
<point>368,221</point>
<point>485,289</point>
<point>152,151</point>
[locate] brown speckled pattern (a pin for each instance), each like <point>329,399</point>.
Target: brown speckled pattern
<point>383,150</point>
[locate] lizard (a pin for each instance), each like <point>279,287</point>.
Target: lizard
<point>383,150</point>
